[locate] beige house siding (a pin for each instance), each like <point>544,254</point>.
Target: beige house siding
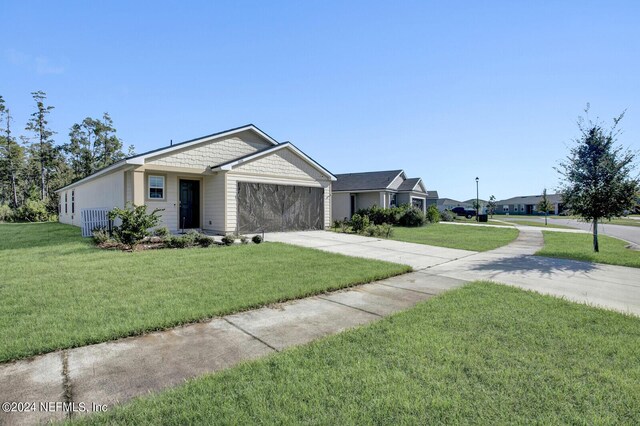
<point>103,192</point>
<point>341,205</point>
<point>212,152</point>
<point>281,168</point>
<point>214,202</point>
<point>367,199</point>
<point>395,184</point>
<point>128,187</point>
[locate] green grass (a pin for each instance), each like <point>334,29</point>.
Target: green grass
<point>475,238</point>
<point>483,354</point>
<point>58,291</point>
<point>622,221</point>
<point>580,247</point>
<point>473,221</point>
<point>540,224</point>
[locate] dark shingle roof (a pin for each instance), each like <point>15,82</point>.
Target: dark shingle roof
<point>531,199</point>
<point>365,181</point>
<point>432,194</point>
<point>408,184</point>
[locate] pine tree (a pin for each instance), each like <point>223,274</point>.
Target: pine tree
<point>42,147</point>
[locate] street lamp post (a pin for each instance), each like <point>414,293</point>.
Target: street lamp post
<point>477,202</point>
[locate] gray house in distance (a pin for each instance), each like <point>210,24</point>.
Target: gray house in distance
<point>528,204</point>
<point>354,191</point>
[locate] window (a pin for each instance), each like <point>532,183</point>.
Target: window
<point>156,187</point>
<point>73,202</point>
<point>393,200</point>
<point>66,207</point>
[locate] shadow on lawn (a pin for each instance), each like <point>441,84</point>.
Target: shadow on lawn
<point>544,266</point>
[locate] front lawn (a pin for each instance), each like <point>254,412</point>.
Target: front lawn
<point>58,291</point>
<point>580,247</point>
<point>482,354</point>
<point>475,238</point>
<point>539,224</point>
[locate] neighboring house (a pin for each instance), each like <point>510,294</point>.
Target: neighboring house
<point>239,180</point>
<point>528,204</point>
<point>432,198</point>
<point>449,203</point>
<point>354,191</point>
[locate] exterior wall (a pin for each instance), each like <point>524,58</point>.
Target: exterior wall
<point>403,198</point>
<point>283,168</point>
<point>214,203</point>
<point>395,184</point>
<point>341,205</point>
<point>128,187</point>
<point>367,199</point>
<point>104,192</point>
<point>213,152</point>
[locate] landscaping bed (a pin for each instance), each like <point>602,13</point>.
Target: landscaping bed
<point>59,291</point>
<point>483,354</point>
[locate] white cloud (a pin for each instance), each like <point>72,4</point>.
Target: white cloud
<point>38,64</point>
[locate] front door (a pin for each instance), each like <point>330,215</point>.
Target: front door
<point>189,204</point>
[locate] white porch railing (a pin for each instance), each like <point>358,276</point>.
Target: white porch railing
<point>92,219</point>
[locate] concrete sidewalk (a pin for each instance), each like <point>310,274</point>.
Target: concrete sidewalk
<point>114,372</point>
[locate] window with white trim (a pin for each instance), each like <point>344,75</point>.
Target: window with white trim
<point>66,203</point>
<point>156,187</point>
<point>73,201</point>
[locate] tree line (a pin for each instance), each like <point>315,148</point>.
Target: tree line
<point>33,165</point>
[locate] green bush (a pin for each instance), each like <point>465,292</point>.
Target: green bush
<point>384,231</point>
<point>178,241</point>
<point>358,222</point>
<point>257,239</point>
<point>33,211</point>
<point>433,215</point>
<point>136,222</point>
<point>6,213</point>
<point>412,217</point>
<point>162,232</point>
<point>447,216</point>
<point>229,239</point>
<point>378,215</point>
<point>100,236</point>
<point>203,240</point>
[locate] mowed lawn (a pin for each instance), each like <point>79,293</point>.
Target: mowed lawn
<point>475,238</point>
<point>483,354</point>
<point>580,247</point>
<point>58,291</point>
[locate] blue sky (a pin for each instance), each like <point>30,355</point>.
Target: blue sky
<point>447,92</point>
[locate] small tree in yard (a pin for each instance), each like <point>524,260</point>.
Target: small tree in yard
<point>545,205</point>
<point>596,175</point>
<point>491,205</point>
<point>136,223</point>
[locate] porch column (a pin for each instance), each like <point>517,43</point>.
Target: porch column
<point>382,204</point>
<point>138,187</point>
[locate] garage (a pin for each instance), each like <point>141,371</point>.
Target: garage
<point>266,207</point>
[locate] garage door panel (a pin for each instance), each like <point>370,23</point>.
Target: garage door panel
<point>270,208</point>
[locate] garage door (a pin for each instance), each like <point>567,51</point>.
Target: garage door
<point>272,208</point>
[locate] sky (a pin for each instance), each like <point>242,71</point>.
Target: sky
<point>446,91</point>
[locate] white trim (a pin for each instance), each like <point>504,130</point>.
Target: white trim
<point>231,164</point>
<point>149,187</point>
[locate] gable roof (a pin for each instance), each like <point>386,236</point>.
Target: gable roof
<point>410,185</point>
<point>365,181</point>
<point>229,165</point>
<point>139,159</point>
<point>432,194</point>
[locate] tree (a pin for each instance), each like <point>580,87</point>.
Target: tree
<point>43,148</point>
<point>596,175</point>
<point>93,144</point>
<point>491,205</point>
<point>544,205</point>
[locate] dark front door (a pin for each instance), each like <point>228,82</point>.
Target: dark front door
<point>189,204</point>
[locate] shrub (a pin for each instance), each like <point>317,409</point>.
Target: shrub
<point>244,239</point>
<point>33,211</point>
<point>378,215</point>
<point>228,239</point>
<point>358,222</point>
<point>136,223</point>
<point>447,216</point>
<point>257,239</point>
<point>412,217</point>
<point>161,232</point>
<point>337,224</point>
<point>383,231</point>
<point>433,215</point>
<point>6,213</point>
<point>100,236</point>
<point>203,240</point>
<point>175,241</point>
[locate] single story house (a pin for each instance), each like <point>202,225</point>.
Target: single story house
<point>432,198</point>
<point>239,180</point>
<point>354,191</point>
<point>528,204</point>
<point>449,204</point>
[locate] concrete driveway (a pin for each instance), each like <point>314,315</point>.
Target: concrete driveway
<point>608,286</point>
<point>418,256</point>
